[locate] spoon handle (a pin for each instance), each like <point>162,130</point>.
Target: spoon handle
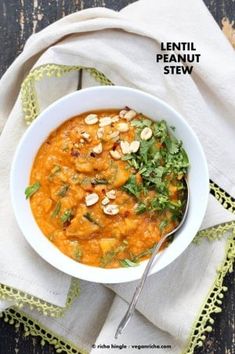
<point>139,288</point>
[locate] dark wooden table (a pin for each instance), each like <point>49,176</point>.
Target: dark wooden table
<point>18,20</point>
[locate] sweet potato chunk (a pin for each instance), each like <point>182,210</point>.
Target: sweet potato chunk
<point>106,244</point>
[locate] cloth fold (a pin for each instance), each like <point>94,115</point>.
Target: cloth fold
<point>123,47</point>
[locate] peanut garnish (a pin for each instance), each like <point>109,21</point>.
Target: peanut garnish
<point>115,155</point>
<point>130,114</point>
<point>123,127</point>
<point>125,147</point>
<point>85,136</point>
<point>134,146</point>
<point>122,113</point>
<point>105,121</point>
<point>98,148</point>
<point>111,194</point>
<point>115,119</point>
<point>100,133</point>
<point>114,135</point>
<point>111,209</point>
<point>146,133</point>
<point>91,119</point>
<point>105,201</point>
<point>91,199</point>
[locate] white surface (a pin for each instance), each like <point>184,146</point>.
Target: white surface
<point>102,98</point>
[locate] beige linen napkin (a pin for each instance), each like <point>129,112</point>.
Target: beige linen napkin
<point>123,47</point>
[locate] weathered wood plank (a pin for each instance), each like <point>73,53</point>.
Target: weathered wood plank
<point>221,8</point>
<point>18,20</point>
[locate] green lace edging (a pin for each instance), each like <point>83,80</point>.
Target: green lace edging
<point>21,299</point>
<point>35,328</point>
<point>224,198</point>
<point>29,100</point>
<point>213,302</point>
<point>31,110</point>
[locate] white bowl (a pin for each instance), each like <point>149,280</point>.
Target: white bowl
<point>105,98</point>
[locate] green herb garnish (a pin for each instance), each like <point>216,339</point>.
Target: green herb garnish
<point>90,218</point>
<point>128,263</point>
<point>96,181</point>
<point>63,190</point>
<point>56,209</point>
<point>141,208</point>
<point>107,258</point>
<point>85,181</point>
<point>159,160</point>
<point>141,123</point>
<point>132,187</point>
<point>163,224</point>
<point>75,179</point>
<point>56,169</point>
<point>146,252</point>
<point>110,255</point>
<point>30,190</point>
<point>160,202</point>
<point>67,216</point>
<point>77,253</point>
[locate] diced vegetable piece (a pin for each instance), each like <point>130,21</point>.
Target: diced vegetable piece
<point>106,244</point>
<point>121,177</point>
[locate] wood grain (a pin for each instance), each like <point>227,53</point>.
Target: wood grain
<point>18,20</point>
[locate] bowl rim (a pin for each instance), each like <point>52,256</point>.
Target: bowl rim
<point>83,271</point>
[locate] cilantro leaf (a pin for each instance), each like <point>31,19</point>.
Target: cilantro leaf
<point>159,203</point>
<point>163,224</point>
<point>172,146</point>
<point>67,216</point>
<point>90,218</point>
<point>144,149</point>
<point>141,208</point>
<point>160,130</point>
<point>63,190</point>
<point>96,181</point>
<point>55,170</point>
<point>109,256</point>
<point>159,160</point>
<point>128,263</point>
<point>146,252</point>
<point>141,123</point>
<point>56,210</point>
<point>132,187</point>
<point>30,190</point>
<point>77,253</point>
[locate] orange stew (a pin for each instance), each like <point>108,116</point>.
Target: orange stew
<point>106,185</point>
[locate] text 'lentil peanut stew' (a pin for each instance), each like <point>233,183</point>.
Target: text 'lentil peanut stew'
<point>106,185</point>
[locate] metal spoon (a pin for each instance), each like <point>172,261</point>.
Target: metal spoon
<point>140,286</point>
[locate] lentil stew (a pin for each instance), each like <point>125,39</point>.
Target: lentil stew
<point>106,185</point>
